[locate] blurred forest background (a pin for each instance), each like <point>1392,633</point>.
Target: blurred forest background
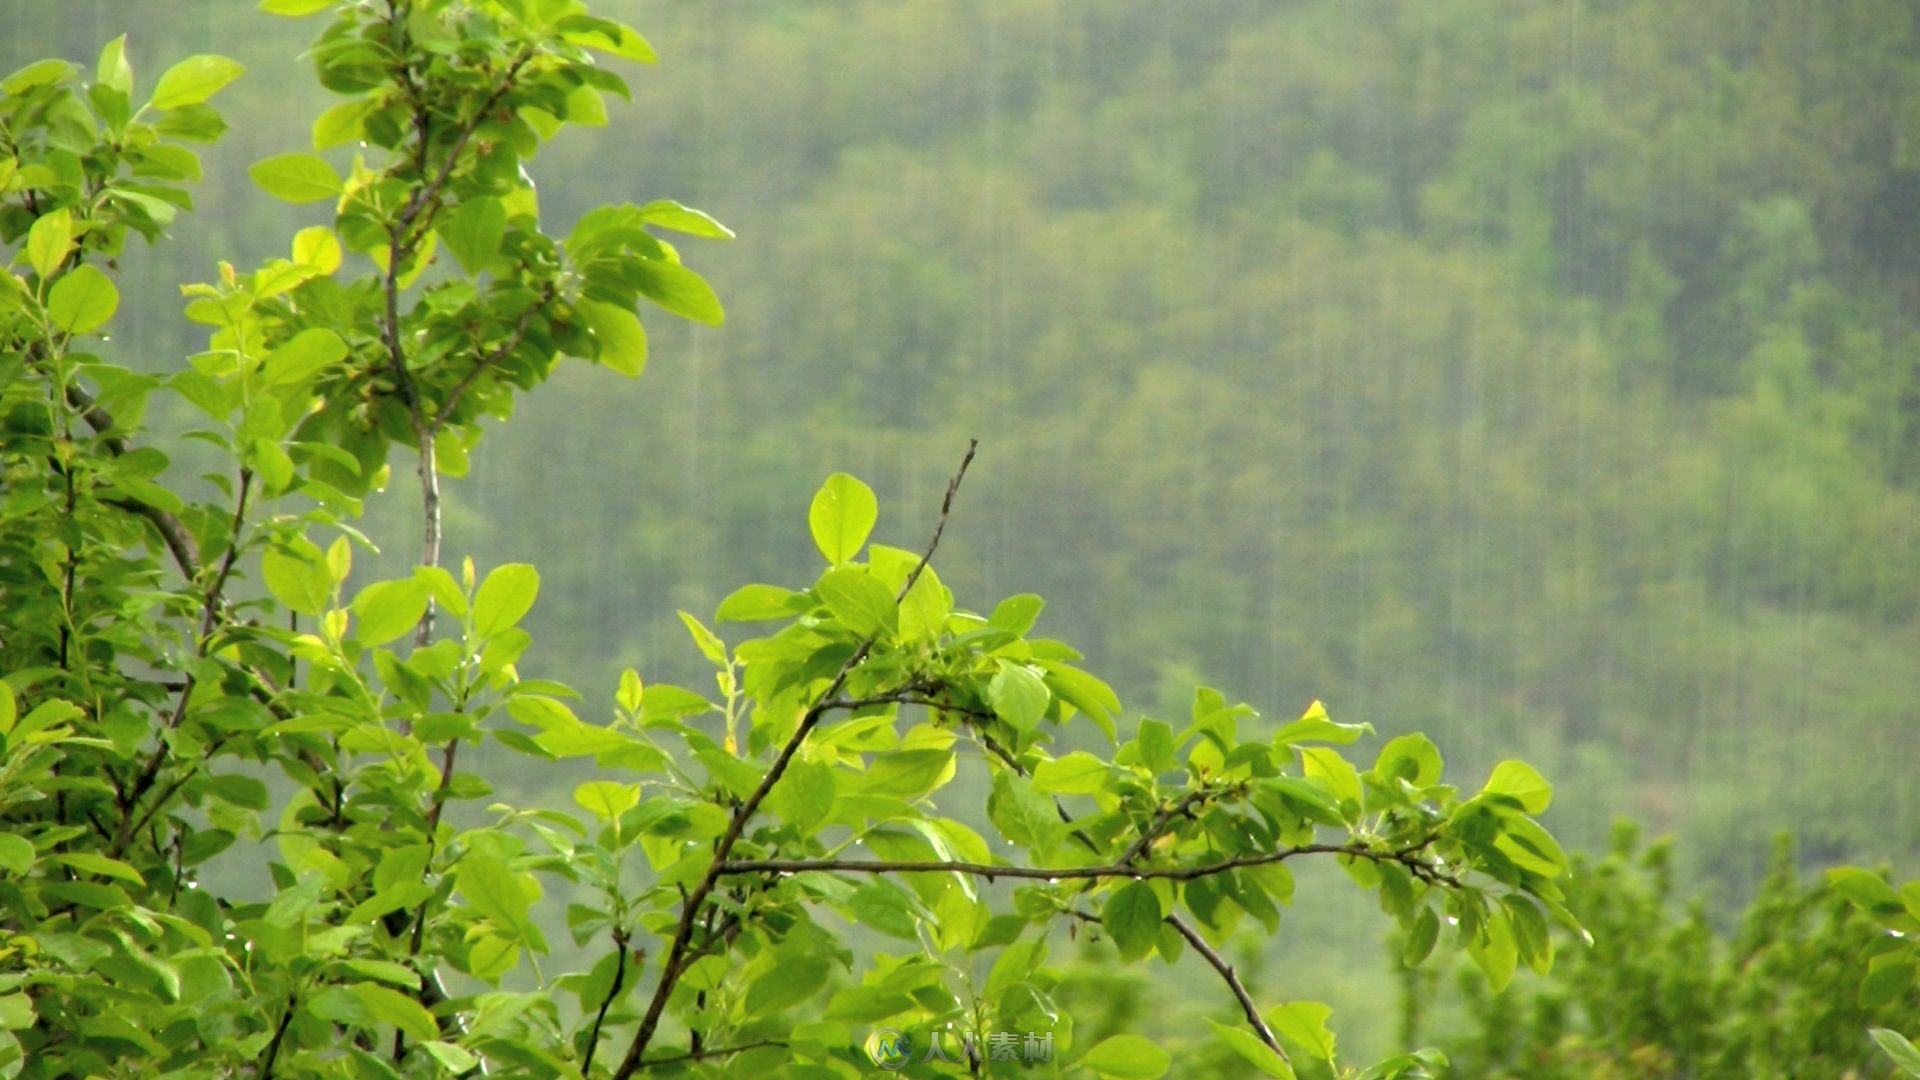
<point>1544,376</point>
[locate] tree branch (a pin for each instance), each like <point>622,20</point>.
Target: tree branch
<point>1227,975</point>
<point>1409,858</point>
<point>505,350</point>
<point>1167,813</point>
<point>710,1052</point>
<point>209,612</point>
<point>613,992</point>
<point>677,956</point>
<point>178,541</point>
<point>1184,928</point>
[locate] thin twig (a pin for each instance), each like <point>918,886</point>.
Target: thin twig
<point>1167,813</point>
<point>676,960</point>
<point>613,992</point>
<point>710,1052</point>
<point>209,611</point>
<point>505,350</point>
<point>1180,925</point>
<point>273,1047</point>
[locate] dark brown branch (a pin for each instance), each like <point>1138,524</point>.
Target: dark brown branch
<point>677,956</point>
<point>215,591</point>
<point>1159,823</point>
<point>1232,979</point>
<point>1420,868</point>
<point>178,541</point>
<point>1225,970</point>
<point>209,613</point>
<point>505,350</point>
<point>422,196</point>
<point>613,993</point>
<point>273,1047</point>
<point>1185,929</point>
<point>710,1052</point>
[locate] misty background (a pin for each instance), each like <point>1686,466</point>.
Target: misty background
<point>1543,376</point>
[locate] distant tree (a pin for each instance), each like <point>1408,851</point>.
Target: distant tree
<point>193,674</point>
<point>1790,986</point>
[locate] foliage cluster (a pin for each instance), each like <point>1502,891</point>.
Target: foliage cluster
<point>240,837</point>
<point>1790,986</point>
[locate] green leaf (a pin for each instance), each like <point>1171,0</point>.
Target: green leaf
<point>1866,890</point>
<point>1493,950</point>
<point>1018,695</point>
<point>1016,614</point>
<point>388,609</point>
<point>16,854</point>
<point>49,240</point>
<point>388,1006</point>
<point>457,1060</point>
<point>295,8</point>
<point>243,791</point>
<point>446,592</point>
<point>705,640</point>
<point>671,215</point>
<point>504,598</point>
<point>1132,917</point>
<point>1897,1047</point>
<point>616,39</point>
<point>500,892</point>
<point>82,300</point>
<point>607,800</point>
<point>473,231</point>
<point>1022,814</point>
<point>88,862</point>
<point>194,80</point>
<point>1421,938</point>
<point>1258,1054</point>
<point>299,580</point>
<point>925,607</point>
<point>790,981</point>
<point>883,906</point>
<point>756,603</point>
<point>1314,726</point>
<point>621,338</point>
<point>1127,1057</point>
<point>841,517</point>
<point>386,971</point>
<point>1327,765</point>
<point>38,73</point>
<point>679,290</point>
<point>859,601</point>
<point>909,774</point>
<point>303,356</point>
<point>1518,779</point>
<point>804,796</point>
<point>1156,745</point>
<point>112,71</point>
<point>297,177</point>
<point>1411,757</point>
<point>1304,1022</point>
<point>1078,773</point>
<point>1085,692</point>
<point>342,124</point>
<point>16,1014</point>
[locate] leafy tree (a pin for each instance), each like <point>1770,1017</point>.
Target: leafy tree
<point>240,836</point>
<point>1789,987</point>
<point>1893,958</point>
